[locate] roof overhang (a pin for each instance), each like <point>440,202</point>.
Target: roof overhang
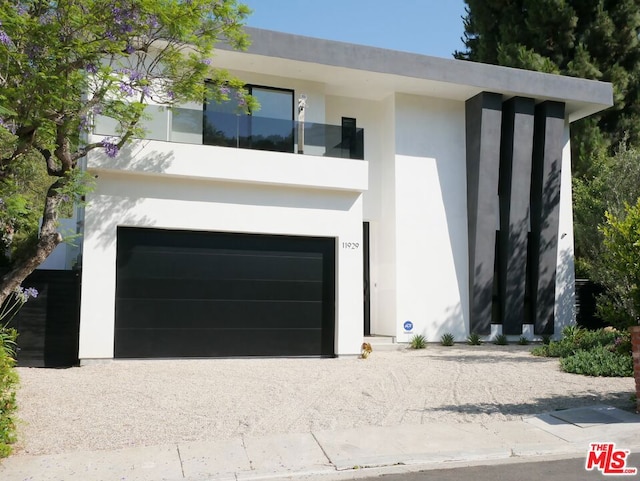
<point>368,72</point>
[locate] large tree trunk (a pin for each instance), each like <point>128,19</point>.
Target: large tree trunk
<point>48,240</point>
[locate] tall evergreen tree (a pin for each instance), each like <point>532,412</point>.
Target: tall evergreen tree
<point>595,39</point>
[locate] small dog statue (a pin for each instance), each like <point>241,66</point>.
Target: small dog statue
<point>365,350</point>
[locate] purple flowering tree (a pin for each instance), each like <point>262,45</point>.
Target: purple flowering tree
<point>64,61</point>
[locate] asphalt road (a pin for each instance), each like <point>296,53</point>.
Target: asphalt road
<point>559,470</point>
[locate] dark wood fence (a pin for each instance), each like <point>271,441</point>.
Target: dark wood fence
<point>48,326</point>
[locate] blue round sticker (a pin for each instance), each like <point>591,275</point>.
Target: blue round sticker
<point>408,326</point>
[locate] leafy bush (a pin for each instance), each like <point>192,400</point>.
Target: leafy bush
<point>576,339</point>
<point>8,386</point>
<point>523,341</point>
<point>474,339</point>
<point>603,352</point>
<point>447,339</point>
<point>418,341</point>
<point>8,375</point>
<point>619,269</point>
<point>599,361</point>
<point>501,340</point>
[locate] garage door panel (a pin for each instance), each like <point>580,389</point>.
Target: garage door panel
<point>257,289</point>
<point>222,265</point>
<point>191,314</point>
<point>146,343</point>
<point>202,294</point>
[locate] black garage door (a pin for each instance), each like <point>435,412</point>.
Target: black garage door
<point>203,294</point>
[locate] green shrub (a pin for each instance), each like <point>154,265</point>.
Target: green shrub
<point>418,341</point>
<point>447,339</point>
<point>8,386</point>
<point>474,339</point>
<point>598,361</point>
<point>578,339</point>
<point>523,341</point>
<point>501,340</point>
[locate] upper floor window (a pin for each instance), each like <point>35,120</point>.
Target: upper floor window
<point>269,128</point>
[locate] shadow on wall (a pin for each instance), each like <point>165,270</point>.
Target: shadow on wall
<point>453,323</point>
<point>107,207</point>
<point>137,155</point>
<point>551,274</point>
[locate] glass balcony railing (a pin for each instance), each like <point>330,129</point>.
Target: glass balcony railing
<point>262,133</point>
<point>245,132</point>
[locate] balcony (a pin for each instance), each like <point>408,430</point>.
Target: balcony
<point>200,127</point>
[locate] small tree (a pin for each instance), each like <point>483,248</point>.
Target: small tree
<point>620,269</point>
<point>61,62</point>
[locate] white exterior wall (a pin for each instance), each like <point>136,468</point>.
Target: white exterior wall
<point>383,228</point>
<point>281,194</point>
<point>431,218</point>
<point>565,314</point>
<point>372,116</point>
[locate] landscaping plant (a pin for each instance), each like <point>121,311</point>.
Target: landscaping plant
<point>447,339</point>
<point>603,352</point>
<point>418,341</point>
<point>474,339</point>
<point>8,375</point>
<point>501,340</point>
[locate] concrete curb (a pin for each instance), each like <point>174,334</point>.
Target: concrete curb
<point>344,454</point>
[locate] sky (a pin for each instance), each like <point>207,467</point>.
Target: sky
<point>429,27</point>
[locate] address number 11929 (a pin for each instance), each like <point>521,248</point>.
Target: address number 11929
<point>351,245</point>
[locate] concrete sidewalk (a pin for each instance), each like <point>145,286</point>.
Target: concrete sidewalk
<point>343,454</point>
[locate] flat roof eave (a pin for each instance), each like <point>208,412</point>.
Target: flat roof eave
<point>346,67</point>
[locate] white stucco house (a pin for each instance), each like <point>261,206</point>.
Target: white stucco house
<point>420,196</point>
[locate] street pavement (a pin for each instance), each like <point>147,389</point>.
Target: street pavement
<point>346,454</point>
<point>572,469</point>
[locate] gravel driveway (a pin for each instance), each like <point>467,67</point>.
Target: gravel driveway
<point>136,403</point>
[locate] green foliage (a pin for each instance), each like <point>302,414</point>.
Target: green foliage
<point>418,341</point>
<point>598,361</point>
<point>619,270</point>
<point>8,386</point>
<point>65,62</point>
<point>595,40</point>
<point>613,183</point>
<point>473,339</point>
<point>501,340</point>
<point>523,341</point>
<point>604,352</point>
<point>447,339</point>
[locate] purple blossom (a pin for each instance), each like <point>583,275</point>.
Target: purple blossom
<point>110,147</point>
<point>129,49</point>
<point>206,61</point>
<point>152,21</point>
<point>126,88</point>
<point>91,68</point>
<point>84,123</point>
<point>4,38</point>
<point>225,90</point>
<point>135,76</point>
<point>31,292</point>
<point>23,295</point>
<point>146,91</point>
<point>10,126</point>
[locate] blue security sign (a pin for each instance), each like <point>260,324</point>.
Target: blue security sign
<point>408,326</point>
